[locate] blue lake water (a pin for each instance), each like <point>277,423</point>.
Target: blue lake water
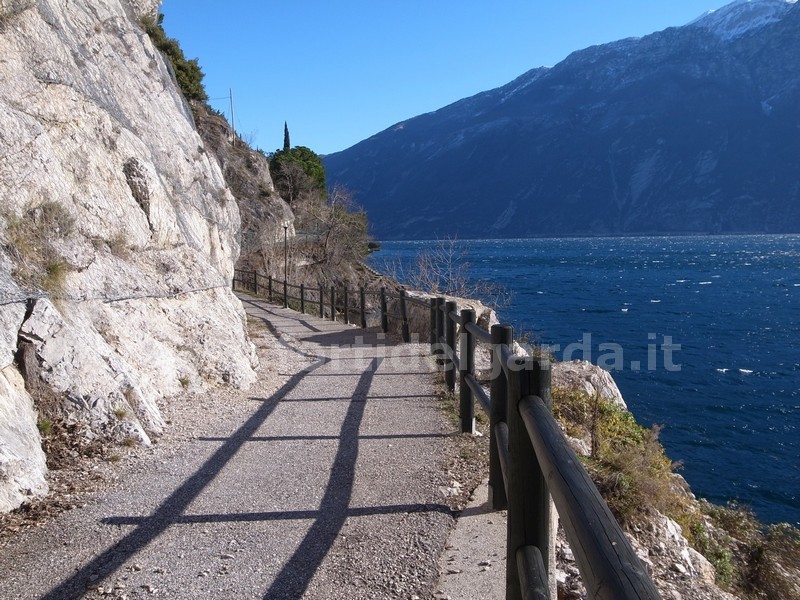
<point>702,335</point>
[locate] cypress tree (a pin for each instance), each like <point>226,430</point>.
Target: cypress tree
<point>286,143</point>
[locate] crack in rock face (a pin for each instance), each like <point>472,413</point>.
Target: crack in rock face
<point>136,177</point>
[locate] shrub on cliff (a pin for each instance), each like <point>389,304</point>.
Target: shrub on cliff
<point>634,476</point>
<point>297,171</point>
<point>31,241</point>
<point>187,72</point>
<point>750,559</point>
<point>626,460</point>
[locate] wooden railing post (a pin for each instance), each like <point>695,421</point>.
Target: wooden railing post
<point>302,298</point>
<point>363,299</point>
<point>498,392</point>
<point>333,303</point>
<point>546,521</point>
<point>285,294</point>
<point>321,302</point>
<point>528,498</point>
<point>450,341</point>
<point>434,341</point>
<point>466,365</point>
<point>346,307</point>
<point>404,317</point>
<point>516,477</point>
<point>269,289</point>
<point>440,323</point>
<point>384,312</point>
<point>436,331</point>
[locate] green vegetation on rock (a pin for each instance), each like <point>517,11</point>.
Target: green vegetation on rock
<point>297,171</point>
<point>187,71</point>
<point>635,477</point>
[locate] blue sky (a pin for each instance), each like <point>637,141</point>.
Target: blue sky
<point>339,72</point>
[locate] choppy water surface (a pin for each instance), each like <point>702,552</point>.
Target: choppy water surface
<point>703,334</point>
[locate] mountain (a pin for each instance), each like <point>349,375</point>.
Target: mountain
<point>690,129</point>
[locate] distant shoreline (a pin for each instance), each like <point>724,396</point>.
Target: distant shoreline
<point>582,236</point>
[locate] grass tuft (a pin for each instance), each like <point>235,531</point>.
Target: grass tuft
<point>31,239</point>
<point>45,426</point>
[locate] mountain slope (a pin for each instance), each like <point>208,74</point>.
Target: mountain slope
<point>692,129</point>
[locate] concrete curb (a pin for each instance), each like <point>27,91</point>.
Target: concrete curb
<point>473,565</point>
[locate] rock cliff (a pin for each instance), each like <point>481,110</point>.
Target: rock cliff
<point>263,212</point>
<point>118,235</point>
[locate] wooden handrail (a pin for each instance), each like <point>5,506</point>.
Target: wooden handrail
<point>529,458</point>
<point>605,557</point>
<point>480,333</point>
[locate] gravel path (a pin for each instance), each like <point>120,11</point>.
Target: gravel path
<point>324,480</point>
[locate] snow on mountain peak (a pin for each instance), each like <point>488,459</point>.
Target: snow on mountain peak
<point>741,16</point>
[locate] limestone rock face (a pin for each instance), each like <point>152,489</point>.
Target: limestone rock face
<point>263,212</point>
<point>589,378</point>
<point>118,234</point>
<point>22,461</point>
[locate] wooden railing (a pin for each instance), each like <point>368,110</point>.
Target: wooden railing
<point>530,461</point>
<point>332,302</point>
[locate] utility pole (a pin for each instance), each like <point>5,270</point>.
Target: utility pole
<point>233,121</point>
<point>285,251</point>
<point>285,263</point>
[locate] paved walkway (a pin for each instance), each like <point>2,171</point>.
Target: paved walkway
<point>329,487</point>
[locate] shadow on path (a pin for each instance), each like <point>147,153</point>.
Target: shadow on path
<point>151,527</point>
<point>297,573</point>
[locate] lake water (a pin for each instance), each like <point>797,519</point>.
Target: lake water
<point>702,335</point>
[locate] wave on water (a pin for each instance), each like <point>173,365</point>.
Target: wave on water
<point>724,370</point>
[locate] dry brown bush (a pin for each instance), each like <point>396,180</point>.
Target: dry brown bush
<point>30,241</point>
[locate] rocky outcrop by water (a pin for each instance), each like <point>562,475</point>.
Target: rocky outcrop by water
<point>118,235</point>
